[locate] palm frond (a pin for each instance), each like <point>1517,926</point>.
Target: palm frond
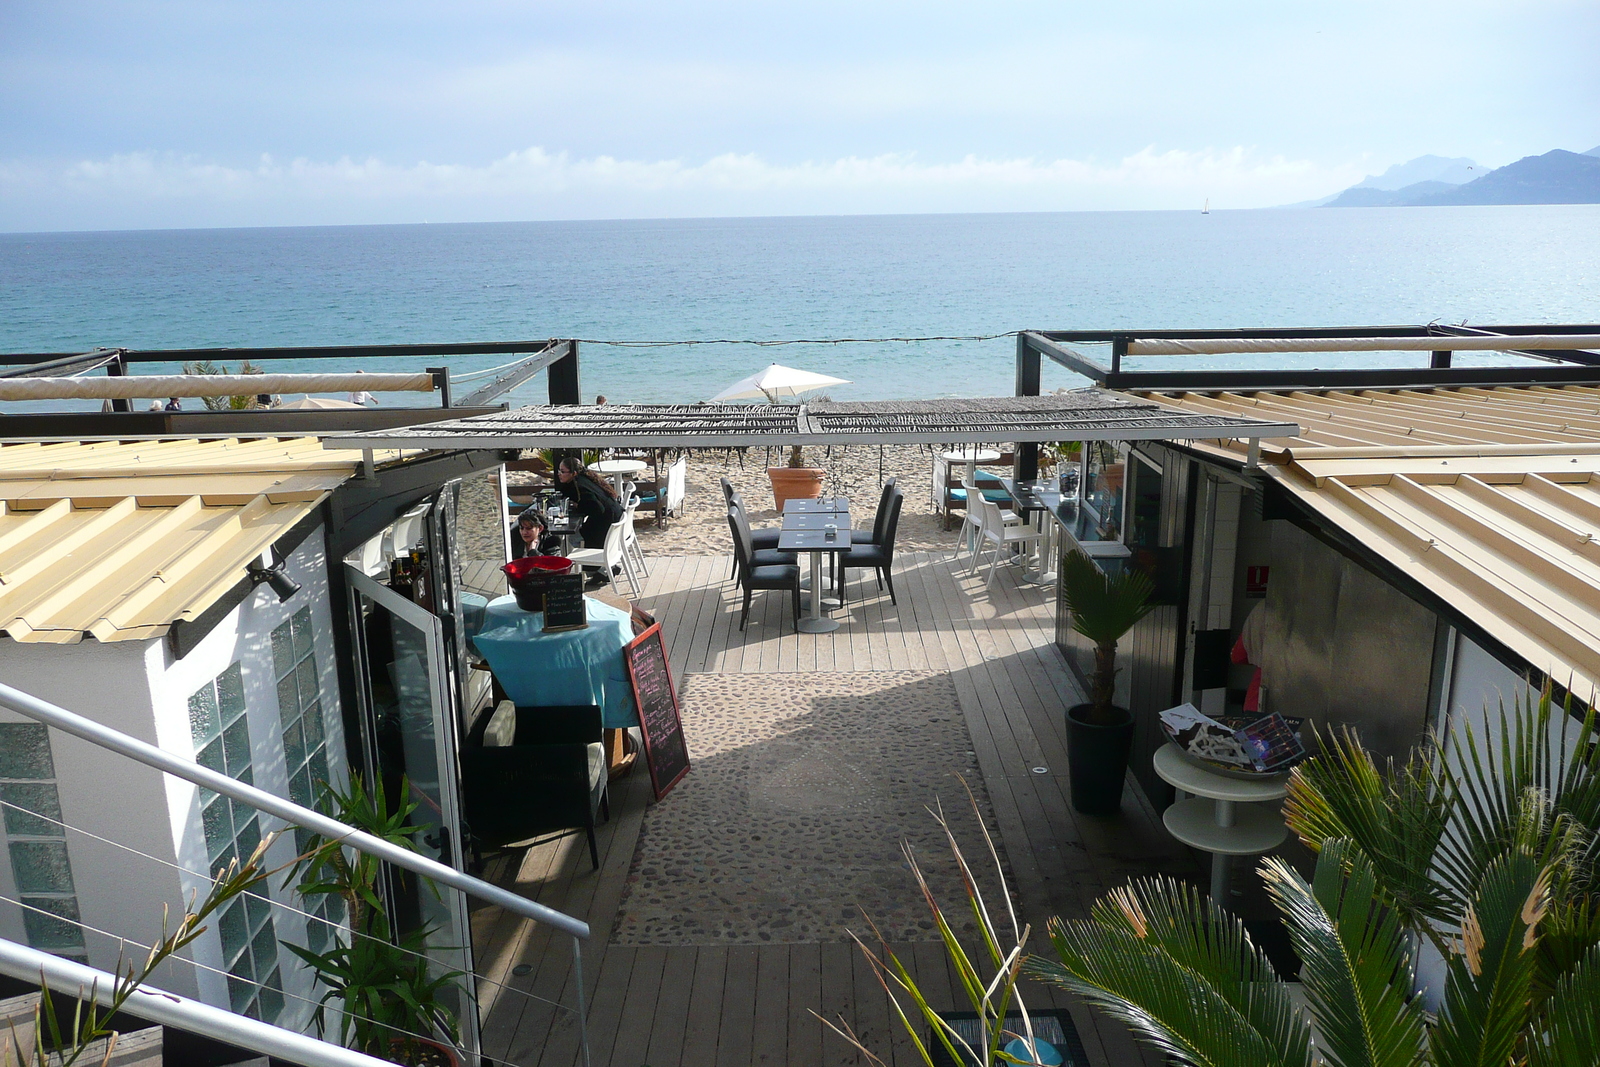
<point>1354,960</point>
<point>1396,820</point>
<point>1569,1032</point>
<point>1104,607</point>
<point>1182,973</point>
<point>1488,994</point>
<point>1533,745</point>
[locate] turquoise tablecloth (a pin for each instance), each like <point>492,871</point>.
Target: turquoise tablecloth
<point>571,667</point>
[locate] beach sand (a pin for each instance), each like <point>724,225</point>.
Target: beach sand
<point>703,528</point>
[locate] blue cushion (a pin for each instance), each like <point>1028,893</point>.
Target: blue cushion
<point>994,496</point>
<point>957,494</point>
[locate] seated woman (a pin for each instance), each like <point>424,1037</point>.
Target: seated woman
<point>594,501</point>
<point>530,536</point>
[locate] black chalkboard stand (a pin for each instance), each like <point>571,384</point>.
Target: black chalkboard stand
<point>564,605</point>
<point>660,724</point>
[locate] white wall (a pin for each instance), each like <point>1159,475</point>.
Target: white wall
<point>245,636</point>
<point>105,794</point>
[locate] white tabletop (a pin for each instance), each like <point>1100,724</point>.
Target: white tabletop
<point>619,466</point>
<point>966,455</point>
<point>1176,770</point>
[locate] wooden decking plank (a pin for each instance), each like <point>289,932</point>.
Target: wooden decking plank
<point>837,999</point>
<point>738,1020</point>
<point>641,1010</point>
<point>703,1019</point>
<point>806,1041</point>
<point>770,1040</point>
<point>670,1021</point>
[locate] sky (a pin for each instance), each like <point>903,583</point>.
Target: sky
<point>168,113</point>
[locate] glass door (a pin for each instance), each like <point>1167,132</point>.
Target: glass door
<point>409,722</point>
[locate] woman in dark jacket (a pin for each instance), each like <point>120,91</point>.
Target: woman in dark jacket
<point>592,500</point>
<point>531,536</point>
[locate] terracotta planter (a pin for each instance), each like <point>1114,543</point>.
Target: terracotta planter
<point>795,483</point>
<point>1097,759</point>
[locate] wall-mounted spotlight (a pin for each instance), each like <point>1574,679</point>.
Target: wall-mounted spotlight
<point>278,581</point>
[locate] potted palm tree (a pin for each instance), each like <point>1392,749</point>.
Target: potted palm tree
<point>1488,860</point>
<point>1104,607</point>
<point>796,481</point>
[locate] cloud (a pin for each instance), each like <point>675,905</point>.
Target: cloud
<point>145,188</point>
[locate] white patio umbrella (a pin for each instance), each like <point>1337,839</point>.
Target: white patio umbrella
<point>777,381</point>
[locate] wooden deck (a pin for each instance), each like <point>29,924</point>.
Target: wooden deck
<point>750,1004</point>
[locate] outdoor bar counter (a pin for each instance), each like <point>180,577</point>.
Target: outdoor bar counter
<point>1075,523</point>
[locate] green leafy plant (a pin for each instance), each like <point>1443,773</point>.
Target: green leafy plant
<point>1104,607</point>
<point>1488,856</point>
<point>224,403</point>
<point>386,990</point>
<point>55,1045</point>
<point>988,978</point>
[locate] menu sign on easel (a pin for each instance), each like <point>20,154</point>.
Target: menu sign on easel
<point>665,752</point>
<point>564,606</point>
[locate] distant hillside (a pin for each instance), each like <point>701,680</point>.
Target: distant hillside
<point>1557,177</point>
<point>1423,169</point>
<point>1356,196</point>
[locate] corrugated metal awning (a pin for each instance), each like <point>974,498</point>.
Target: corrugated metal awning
<point>119,540</point>
<point>1077,415</point>
<point>1487,497</point>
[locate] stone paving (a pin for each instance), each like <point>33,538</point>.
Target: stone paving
<point>790,822</point>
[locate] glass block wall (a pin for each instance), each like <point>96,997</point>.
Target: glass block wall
<point>221,734</point>
<point>37,842</point>
<point>305,749</point>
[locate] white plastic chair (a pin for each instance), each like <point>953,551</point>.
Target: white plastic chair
<point>612,556</point>
<point>677,482</point>
<point>996,532</point>
<point>630,535</point>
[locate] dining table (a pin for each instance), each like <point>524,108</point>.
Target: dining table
<point>582,666</point>
<point>817,527</point>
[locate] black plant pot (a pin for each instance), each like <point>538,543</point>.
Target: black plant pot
<point>1097,758</point>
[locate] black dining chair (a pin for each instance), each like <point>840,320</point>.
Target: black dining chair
<point>763,576</point>
<point>552,777</point>
<point>875,535</point>
<point>762,557</point>
<point>879,555</point>
<point>764,538</point>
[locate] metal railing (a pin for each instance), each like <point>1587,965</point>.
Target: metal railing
<point>142,752</point>
<point>169,1009</point>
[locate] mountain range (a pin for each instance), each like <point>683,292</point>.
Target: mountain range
<point>1557,177</point>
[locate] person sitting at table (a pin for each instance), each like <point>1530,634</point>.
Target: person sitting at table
<point>594,501</point>
<point>531,536</point>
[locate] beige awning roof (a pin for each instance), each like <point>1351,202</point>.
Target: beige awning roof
<point>119,540</point>
<point>1488,497</point>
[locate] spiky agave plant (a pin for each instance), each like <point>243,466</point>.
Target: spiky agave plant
<point>989,978</point>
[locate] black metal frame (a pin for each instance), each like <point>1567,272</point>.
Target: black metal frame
<point>559,357</point>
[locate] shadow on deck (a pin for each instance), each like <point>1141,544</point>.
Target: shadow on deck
<point>743,1004</point>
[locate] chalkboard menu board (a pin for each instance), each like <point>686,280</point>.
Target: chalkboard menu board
<point>564,607</point>
<point>664,750</point>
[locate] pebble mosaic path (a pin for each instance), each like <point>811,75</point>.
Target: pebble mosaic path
<point>790,822</point>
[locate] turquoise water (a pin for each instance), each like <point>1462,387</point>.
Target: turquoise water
<point>774,278</point>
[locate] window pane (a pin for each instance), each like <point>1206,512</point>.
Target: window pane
<point>307,680</point>
<point>249,835</point>
<point>282,650</point>
<point>257,908</point>
<point>230,692</point>
<point>294,746</point>
<point>288,698</point>
<point>300,788</point>
<point>25,750</point>
<point>59,929</point>
<point>219,828</point>
<point>211,756</point>
<point>41,866</point>
<point>34,799</point>
<point>234,928</point>
<point>265,948</point>
<point>271,999</point>
<point>313,725</point>
<point>203,721</point>
<point>241,993</point>
<point>236,745</point>
<point>302,633</point>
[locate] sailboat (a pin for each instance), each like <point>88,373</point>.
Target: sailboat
<point>1207,209</point>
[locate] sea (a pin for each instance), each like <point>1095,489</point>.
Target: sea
<point>837,285</point>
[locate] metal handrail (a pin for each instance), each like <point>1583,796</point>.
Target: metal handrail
<point>151,756</point>
<point>169,1009</point>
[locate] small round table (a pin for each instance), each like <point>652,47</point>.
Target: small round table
<point>971,457</point>
<point>1211,820</point>
<point>620,469</point>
